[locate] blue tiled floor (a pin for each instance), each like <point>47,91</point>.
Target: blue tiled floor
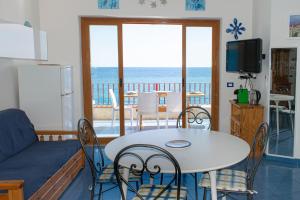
<point>274,181</point>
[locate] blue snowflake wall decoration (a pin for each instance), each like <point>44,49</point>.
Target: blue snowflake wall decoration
<point>236,28</point>
<point>194,5</point>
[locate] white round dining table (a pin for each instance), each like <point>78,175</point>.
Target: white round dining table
<point>208,152</point>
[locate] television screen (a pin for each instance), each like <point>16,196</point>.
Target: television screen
<point>244,56</point>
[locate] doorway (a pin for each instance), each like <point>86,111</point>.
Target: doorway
<point>191,45</point>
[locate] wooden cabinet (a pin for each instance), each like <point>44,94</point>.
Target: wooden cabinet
<point>245,119</point>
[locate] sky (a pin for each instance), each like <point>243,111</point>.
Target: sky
<point>147,45</point>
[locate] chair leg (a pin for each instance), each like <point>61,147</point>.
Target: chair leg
<point>131,117</point>
<point>137,185</point>
<point>204,193</point>
<point>112,117</point>
<point>292,123</point>
<point>161,178</point>
<point>249,196</point>
<point>157,120</point>
<point>100,192</point>
<point>167,120</point>
<point>196,186</point>
<point>137,121</point>
<point>92,190</point>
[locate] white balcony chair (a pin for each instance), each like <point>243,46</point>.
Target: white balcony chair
<point>174,105</point>
<point>115,107</point>
<point>147,104</point>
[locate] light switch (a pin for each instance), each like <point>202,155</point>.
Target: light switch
<point>230,84</point>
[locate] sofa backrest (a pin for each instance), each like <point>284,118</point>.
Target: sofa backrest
<point>16,132</point>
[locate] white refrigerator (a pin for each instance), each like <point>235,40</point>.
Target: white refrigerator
<point>46,95</point>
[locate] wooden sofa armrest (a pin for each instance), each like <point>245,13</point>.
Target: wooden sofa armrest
<point>52,134</point>
<point>13,190</point>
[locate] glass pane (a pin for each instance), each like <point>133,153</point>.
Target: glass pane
<point>282,101</point>
<point>152,64</point>
<point>104,74</point>
<point>199,65</point>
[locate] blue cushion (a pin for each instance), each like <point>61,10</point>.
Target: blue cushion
<point>16,132</point>
<point>37,163</point>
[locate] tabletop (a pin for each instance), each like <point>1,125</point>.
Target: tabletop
<point>281,97</point>
<point>209,150</point>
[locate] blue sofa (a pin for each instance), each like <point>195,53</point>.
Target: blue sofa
<point>32,165</point>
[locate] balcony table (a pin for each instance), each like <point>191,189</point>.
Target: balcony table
<point>160,94</point>
<point>209,151</point>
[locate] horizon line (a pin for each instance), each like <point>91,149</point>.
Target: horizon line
<point>145,67</point>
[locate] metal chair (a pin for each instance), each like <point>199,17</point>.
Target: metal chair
<point>101,173</point>
<point>147,105</point>
<point>116,108</point>
<point>174,104</point>
<point>150,159</point>
<point>196,117</point>
<point>236,181</point>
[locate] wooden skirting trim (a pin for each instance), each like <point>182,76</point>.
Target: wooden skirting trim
<point>58,132</point>
<point>56,185</point>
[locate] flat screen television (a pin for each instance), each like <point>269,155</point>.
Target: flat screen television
<point>244,56</point>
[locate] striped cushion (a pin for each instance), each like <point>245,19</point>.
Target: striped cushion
<point>227,179</point>
<point>149,192</point>
<point>109,176</point>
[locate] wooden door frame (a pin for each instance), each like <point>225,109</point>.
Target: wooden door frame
<point>86,68</point>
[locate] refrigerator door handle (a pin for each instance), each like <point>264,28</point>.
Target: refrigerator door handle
<point>66,94</point>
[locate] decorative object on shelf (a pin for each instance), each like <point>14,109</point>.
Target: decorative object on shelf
<point>28,24</point>
<point>178,143</point>
<point>236,28</point>
<point>153,3</point>
<point>294,26</point>
<point>194,5</point>
<point>108,4</point>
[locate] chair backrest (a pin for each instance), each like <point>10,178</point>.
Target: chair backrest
<point>258,148</point>
<point>147,102</point>
<point>90,146</point>
<point>196,117</point>
<point>174,102</point>
<point>113,98</point>
<point>150,159</point>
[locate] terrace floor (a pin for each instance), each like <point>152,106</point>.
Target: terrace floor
<point>103,128</point>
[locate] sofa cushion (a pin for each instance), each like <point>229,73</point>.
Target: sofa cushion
<point>16,132</point>
<point>37,163</point>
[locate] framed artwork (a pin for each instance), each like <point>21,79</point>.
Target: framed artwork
<point>194,5</point>
<point>108,4</point>
<point>294,26</point>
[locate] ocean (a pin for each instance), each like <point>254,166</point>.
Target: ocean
<point>149,79</point>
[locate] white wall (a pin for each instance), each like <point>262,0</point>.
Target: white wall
<point>261,29</point>
<point>61,21</point>
<point>16,11</point>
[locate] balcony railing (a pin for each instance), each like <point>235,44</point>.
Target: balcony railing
<point>101,91</point>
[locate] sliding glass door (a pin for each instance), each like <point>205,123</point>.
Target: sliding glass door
<point>126,59</point>
<point>199,68</point>
<point>152,71</point>
<point>105,79</point>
